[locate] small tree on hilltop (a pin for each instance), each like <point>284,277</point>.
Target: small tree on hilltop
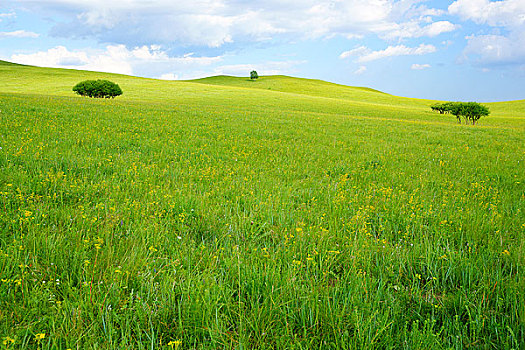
<point>254,75</point>
<point>98,89</point>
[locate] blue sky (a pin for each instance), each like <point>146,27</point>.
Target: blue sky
<point>449,50</point>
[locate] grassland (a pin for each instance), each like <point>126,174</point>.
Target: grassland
<point>278,214</point>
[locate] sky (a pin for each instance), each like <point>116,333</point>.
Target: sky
<point>469,50</point>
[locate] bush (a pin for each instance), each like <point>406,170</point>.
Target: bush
<point>471,111</point>
<point>98,89</point>
<point>254,75</point>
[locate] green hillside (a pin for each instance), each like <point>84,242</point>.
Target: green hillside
<point>283,213</point>
<point>292,85</point>
<point>283,90</point>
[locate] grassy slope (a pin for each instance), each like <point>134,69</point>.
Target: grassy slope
<point>321,88</point>
<point>219,212</point>
<point>274,92</point>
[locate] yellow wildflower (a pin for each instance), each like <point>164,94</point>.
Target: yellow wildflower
<point>175,343</point>
<point>8,341</point>
<point>40,336</point>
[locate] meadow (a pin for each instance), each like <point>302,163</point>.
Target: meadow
<point>281,213</point>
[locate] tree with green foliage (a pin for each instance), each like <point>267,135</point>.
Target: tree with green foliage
<point>98,89</point>
<point>471,111</point>
<point>442,108</point>
<point>254,75</point>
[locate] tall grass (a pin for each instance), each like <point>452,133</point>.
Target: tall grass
<point>210,217</point>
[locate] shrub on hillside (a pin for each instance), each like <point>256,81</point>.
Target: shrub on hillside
<point>470,111</point>
<point>98,89</point>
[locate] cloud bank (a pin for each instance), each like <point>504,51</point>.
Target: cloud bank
<point>114,59</point>
<point>216,23</point>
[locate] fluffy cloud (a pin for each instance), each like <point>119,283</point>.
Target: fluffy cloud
<point>114,59</point>
<point>215,23</point>
<point>506,47</point>
<point>496,49</point>
<point>19,34</point>
<point>508,13</point>
<point>417,66</point>
<point>364,54</point>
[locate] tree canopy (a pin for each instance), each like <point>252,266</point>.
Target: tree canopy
<point>254,75</point>
<point>98,89</point>
<point>470,111</point>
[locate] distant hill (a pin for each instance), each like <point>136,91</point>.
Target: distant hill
<point>18,78</point>
<point>285,83</point>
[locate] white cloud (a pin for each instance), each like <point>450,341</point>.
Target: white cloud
<point>7,15</point>
<point>496,49</point>
<point>432,12</point>
<point>19,34</point>
<point>413,29</point>
<point>505,47</point>
<point>417,66</point>
<point>364,54</point>
<point>494,13</point>
<point>114,59</point>
<point>438,28</point>
<point>360,70</point>
<point>358,51</point>
<point>215,23</point>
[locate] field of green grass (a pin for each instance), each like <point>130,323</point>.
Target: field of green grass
<point>281,213</point>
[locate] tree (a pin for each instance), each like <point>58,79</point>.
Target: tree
<point>471,111</point>
<point>442,108</point>
<point>254,75</point>
<point>98,89</point>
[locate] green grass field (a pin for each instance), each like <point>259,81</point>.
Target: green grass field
<point>281,213</point>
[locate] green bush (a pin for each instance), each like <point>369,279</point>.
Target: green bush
<point>254,75</point>
<point>98,89</point>
<point>471,111</point>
